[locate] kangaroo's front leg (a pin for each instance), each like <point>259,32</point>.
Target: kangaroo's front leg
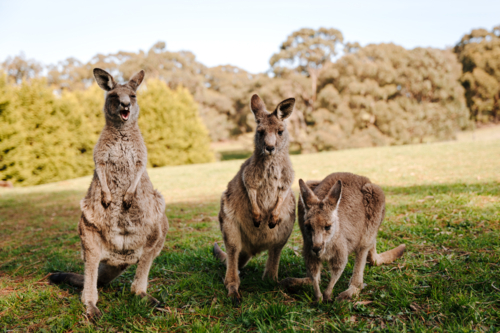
<point>315,274</point>
<point>100,169</point>
<point>92,257</point>
<point>129,195</point>
<point>284,189</point>
<point>356,283</point>
<point>337,266</point>
<point>256,213</point>
<point>275,214</point>
<point>232,241</point>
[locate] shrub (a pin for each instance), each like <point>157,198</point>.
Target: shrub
<point>171,126</point>
<point>45,138</point>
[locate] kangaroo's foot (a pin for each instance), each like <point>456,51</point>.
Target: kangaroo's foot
<point>351,292</point>
<point>93,312</point>
<point>234,294</point>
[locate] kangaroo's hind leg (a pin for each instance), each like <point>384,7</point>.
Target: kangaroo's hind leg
<point>92,257</point>
<point>273,262</point>
<point>356,283</point>
<point>140,284</point>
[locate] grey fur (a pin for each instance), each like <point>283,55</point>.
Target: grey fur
<point>123,218</point>
<point>257,210</point>
<point>337,216</point>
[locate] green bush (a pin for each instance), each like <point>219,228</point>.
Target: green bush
<point>40,137</point>
<point>46,138</point>
<point>171,126</point>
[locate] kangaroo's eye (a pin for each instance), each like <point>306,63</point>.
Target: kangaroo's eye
<point>328,227</point>
<point>261,132</point>
<point>133,96</point>
<point>280,133</point>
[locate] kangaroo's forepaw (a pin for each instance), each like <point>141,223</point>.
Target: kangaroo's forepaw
<point>127,199</point>
<point>274,222</point>
<point>93,312</point>
<point>257,220</point>
<point>106,199</point>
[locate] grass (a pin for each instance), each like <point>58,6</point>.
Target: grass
<point>443,201</point>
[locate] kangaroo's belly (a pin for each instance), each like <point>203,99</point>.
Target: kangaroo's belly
<point>124,243</point>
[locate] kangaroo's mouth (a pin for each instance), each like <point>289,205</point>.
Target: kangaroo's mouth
<point>125,114</point>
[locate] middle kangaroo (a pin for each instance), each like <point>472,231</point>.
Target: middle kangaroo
<point>257,211</point>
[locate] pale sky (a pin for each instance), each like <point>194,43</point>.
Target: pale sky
<point>240,33</point>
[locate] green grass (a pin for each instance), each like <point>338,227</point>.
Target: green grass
<point>443,201</point>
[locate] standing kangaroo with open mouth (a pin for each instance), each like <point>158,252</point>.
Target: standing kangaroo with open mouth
<point>257,210</point>
<point>123,218</point>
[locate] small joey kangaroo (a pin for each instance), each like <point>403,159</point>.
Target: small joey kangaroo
<point>257,210</point>
<point>123,218</point>
<point>337,216</point>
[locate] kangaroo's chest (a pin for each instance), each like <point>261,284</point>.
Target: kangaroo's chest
<point>122,156</point>
<point>271,181</point>
<point>121,165</point>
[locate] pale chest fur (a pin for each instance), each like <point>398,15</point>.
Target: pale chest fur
<point>268,180</point>
<point>122,159</point>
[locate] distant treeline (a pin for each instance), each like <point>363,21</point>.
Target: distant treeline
<point>347,95</point>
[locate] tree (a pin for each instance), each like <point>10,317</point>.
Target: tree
<point>307,51</point>
<point>479,53</point>
<point>20,68</point>
<point>384,94</point>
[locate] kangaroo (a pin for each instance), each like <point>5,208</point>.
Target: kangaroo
<point>123,218</point>
<point>337,216</point>
<point>257,211</point>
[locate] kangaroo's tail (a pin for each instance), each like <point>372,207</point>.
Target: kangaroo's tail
<point>73,279</point>
<point>386,257</point>
<point>219,254</point>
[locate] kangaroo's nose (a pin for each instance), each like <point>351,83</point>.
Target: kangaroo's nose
<point>125,104</point>
<point>270,149</point>
<point>316,249</point>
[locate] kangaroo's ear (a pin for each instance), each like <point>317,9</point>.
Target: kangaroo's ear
<point>335,194</point>
<point>136,80</point>
<point>257,106</point>
<point>284,109</point>
<point>104,79</point>
<point>307,195</point>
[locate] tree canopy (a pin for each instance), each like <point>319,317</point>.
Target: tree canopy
<point>479,53</point>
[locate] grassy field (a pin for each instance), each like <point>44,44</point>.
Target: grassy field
<point>443,201</point>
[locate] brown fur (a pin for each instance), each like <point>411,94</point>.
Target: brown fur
<point>338,216</point>
<point>123,218</point>
<point>257,210</point>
